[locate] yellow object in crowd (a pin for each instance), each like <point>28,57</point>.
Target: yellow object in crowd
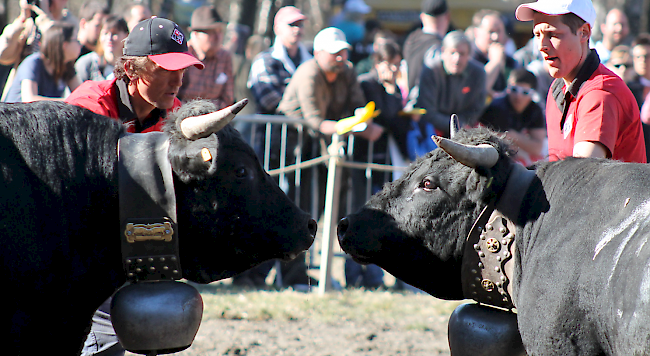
<point>360,117</point>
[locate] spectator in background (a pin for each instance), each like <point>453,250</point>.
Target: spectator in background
<point>453,83</point>
<point>91,19</point>
<point>519,117</point>
<point>57,11</point>
<point>216,81</point>
<point>98,65</point>
<point>351,20</point>
<point>363,49</point>
<point>44,75</point>
<point>135,13</point>
<point>24,37</point>
<point>640,83</point>
<point>435,24</point>
<point>620,62</point>
<point>489,42</point>
<point>615,31</point>
<point>272,69</point>
<point>15,36</point>
<point>368,63</point>
<point>325,89</point>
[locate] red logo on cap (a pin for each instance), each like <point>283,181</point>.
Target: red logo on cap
<point>177,36</point>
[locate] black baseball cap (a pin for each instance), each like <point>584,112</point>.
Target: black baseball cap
<point>434,7</point>
<point>163,42</point>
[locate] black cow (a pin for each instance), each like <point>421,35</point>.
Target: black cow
<point>60,224</point>
<point>581,275</point>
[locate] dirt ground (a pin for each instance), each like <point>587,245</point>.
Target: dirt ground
<point>389,329</point>
<point>308,337</point>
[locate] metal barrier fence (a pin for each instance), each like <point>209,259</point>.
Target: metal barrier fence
<point>287,152</point>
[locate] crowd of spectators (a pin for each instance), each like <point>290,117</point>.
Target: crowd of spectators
<point>477,73</point>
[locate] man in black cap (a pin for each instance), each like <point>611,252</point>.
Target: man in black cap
<point>216,82</point>
<point>428,39</point>
<point>147,78</point>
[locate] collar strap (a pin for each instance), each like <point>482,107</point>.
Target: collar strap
<point>487,258</point>
<point>149,233</point>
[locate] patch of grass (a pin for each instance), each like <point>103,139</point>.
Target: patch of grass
<point>415,311</point>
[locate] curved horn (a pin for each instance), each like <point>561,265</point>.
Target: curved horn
<point>454,125</point>
<point>483,155</point>
<point>196,127</point>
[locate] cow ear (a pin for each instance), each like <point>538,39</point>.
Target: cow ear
<point>196,160</point>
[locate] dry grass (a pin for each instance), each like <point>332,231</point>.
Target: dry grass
<point>360,305</point>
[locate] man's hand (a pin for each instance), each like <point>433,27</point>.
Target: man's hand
<point>372,133</point>
<point>497,54</point>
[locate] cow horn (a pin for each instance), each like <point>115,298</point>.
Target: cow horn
<point>454,125</point>
<point>483,155</point>
<point>196,127</point>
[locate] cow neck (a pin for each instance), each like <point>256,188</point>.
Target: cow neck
<point>488,261</point>
<point>149,233</point>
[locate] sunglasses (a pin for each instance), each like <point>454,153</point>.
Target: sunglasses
<point>521,90</point>
<point>619,65</point>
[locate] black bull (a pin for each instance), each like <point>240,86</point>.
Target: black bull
<point>60,221</point>
<point>581,281</point>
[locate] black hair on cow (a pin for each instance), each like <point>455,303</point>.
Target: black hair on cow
<point>185,154</point>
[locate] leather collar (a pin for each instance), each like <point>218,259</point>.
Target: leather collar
<point>489,248</point>
<point>147,208</point>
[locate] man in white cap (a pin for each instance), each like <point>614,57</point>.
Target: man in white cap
<point>590,112</point>
<point>325,89</point>
<point>322,91</point>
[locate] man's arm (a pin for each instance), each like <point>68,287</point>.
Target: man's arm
<point>596,130</point>
<point>590,149</point>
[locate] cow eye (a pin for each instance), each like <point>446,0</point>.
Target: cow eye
<point>241,172</point>
<point>428,185</point>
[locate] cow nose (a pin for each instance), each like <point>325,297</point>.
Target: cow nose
<point>312,225</point>
<point>342,228</point>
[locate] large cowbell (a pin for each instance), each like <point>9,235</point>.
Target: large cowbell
<point>156,317</point>
<point>154,313</point>
<point>479,330</point>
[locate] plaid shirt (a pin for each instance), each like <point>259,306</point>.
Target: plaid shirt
<point>270,74</point>
<point>215,82</point>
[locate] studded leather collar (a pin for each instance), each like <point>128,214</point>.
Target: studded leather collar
<point>489,248</point>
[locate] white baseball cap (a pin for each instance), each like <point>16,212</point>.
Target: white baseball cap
<point>331,40</point>
<point>584,9</point>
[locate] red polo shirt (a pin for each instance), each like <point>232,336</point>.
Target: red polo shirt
<point>111,98</point>
<point>597,107</point>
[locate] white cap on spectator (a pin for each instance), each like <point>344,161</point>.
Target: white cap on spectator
<point>331,40</point>
<point>584,9</point>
